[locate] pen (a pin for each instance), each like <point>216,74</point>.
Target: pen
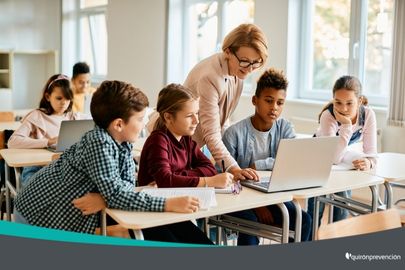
<point>223,166</point>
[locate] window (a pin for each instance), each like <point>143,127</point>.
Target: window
<point>84,36</point>
<point>346,37</point>
<point>197,28</point>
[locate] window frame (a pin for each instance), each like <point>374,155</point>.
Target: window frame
<point>357,50</point>
<point>181,50</point>
<point>75,15</point>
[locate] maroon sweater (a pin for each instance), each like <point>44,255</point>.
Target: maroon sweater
<point>172,163</point>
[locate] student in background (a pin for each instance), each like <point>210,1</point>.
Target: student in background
<point>170,157</point>
<point>81,88</point>
<point>218,80</point>
<point>101,161</point>
<point>253,143</point>
<point>348,117</point>
<point>40,127</point>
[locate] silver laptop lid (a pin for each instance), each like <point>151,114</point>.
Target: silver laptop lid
<point>71,131</point>
<point>301,163</point>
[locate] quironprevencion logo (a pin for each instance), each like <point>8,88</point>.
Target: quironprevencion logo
<point>372,257</point>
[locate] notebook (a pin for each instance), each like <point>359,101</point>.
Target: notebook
<point>71,131</point>
<point>299,164</point>
<point>206,196</point>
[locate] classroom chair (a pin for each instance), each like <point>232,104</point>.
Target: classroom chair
<point>374,222</point>
<point>7,117</point>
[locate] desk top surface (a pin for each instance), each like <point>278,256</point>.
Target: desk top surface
<point>27,157</point>
<point>390,166</point>
<point>340,181</point>
<point>10,125</point>
<point>227,203</point>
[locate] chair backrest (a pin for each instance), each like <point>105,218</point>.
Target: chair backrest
<point>7,116</point>
<point>374,222</point>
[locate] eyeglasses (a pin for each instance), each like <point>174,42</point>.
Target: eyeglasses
<point>236,187</point>
<point>246,64</point>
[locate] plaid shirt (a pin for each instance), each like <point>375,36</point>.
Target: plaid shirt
<point>94,164</point>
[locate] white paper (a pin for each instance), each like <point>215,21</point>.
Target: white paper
<point>348,158</point>
<point>206,196</point>
<point>226,190</point>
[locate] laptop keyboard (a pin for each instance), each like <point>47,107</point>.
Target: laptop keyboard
<point>262,184</point>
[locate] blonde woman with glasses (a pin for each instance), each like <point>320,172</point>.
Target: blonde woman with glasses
<point>218,80</point>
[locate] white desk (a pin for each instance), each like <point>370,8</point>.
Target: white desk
<point>13,125</point>
<point>340,181</point>
<point>391,167</point>
<point>227,203</point>
<point>18,158</point>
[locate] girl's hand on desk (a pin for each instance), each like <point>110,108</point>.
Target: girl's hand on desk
<point>90,203</point>
<point>245,174</point>
<point>264,215</point>
<point>221,180</point>
<point>362,164</point>
<point>184,204</point>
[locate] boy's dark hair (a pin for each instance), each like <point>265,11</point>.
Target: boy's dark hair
<point>116,99</point>
<point>57,80</point>
<point>80,68</point>
<point>271,78</point>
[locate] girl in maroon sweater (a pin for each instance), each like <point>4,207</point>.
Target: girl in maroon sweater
<point>170,157</point>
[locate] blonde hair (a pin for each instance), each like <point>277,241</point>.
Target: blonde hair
<point>246,35</point>
<point>171,100</point>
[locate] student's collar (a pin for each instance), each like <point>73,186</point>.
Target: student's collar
<point>172,137</point>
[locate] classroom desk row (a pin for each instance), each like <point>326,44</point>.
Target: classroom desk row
<point>390,169</point>
<point>248,199</point>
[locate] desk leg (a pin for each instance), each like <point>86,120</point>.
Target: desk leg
<point>103,225</point>
<point>298,221</point>
<point>286,222</point>
<point>206,227</point>
<point>8,195</point>
<point>138,234</point>
<point>315,219</point>
<point>374,199</point>
<point>219,235</point>
<point>331,208</point>
<point>388,194</point>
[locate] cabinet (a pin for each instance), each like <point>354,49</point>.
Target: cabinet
<point>23,75</point>
<point>5,67</point>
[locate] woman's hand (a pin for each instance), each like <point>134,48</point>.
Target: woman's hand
<point>184,204</point>
<point>52,141</point>
<point>90,203</point>
<point>363,164</point>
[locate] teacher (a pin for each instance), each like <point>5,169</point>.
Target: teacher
<point>218,80</point>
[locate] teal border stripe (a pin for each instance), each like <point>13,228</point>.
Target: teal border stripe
<point>33,232</point>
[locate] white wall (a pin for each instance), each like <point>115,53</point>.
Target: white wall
<point>136,44</point>
<point>27,25</point>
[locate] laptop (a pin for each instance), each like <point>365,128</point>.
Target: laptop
<point>71,131</point>
<point>300,163</point>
